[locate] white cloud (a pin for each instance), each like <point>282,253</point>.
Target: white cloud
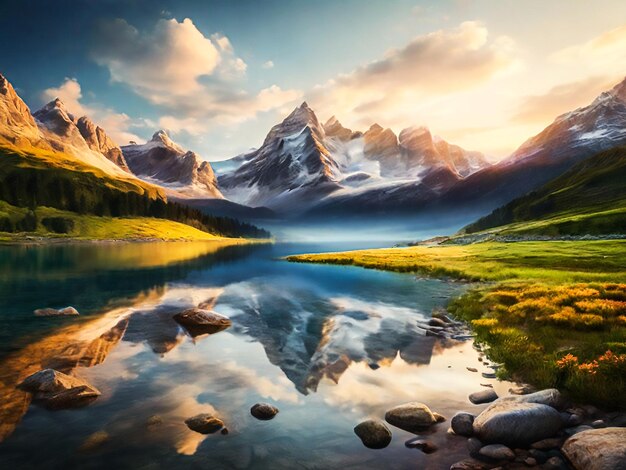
<point>433,65</point>
<point>197,80</point>
<point>268,65</point>
<point>115,124</point>
<point>607,49</point>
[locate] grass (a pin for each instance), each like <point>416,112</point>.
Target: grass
<point>91,227</point>
<point>554,313</point>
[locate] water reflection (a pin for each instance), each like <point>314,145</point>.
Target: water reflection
<point>328,345</point>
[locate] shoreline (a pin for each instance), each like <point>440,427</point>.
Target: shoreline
<point>40,241</point>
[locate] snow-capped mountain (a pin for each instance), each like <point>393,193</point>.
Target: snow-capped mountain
<point>291,167</point>
<point>572,137</point>
<point>302,164</point>
<point>163,162</point>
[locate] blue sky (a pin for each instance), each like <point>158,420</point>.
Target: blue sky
<point>219,74</point>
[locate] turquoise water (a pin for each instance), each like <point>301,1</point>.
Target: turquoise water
<point>328,345</point>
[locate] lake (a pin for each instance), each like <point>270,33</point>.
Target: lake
<point>329,346</point>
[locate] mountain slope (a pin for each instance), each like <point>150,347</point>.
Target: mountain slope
<point>182,173</point>
<point>590,198</point>
<point>572,137</point>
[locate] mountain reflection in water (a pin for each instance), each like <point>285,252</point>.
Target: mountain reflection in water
<point>328,345</point>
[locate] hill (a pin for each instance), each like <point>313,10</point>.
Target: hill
<point>588,199</point>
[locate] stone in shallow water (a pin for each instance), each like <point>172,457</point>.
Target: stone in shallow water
<point>597,449</point>
<point>204,423</point>
<point>199,322</point>
<point>497,452</point>
<point>411,417</point>
<point>516,423</point>
<point>424,445</point>
<point>94,441</point>
<point>263,411</point>
<point>483,396</point>
<point>373,434</point>
<point>59,390</point>
<point>462,424</point>
<point>53,312</point>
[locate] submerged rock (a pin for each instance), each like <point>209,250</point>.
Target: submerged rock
<point>59,390</point>
<point>204,423</point>
<point>484,396</point>
<point>497,452</point>
<point>411,417</point>
<point>94,441</point>
<point>263,411</point>
<point>597,449</point>
<point>53,312</point>
<point>424,445</point>
<point>373,434</point>
<point>198,322</point>
<point>516,423</point>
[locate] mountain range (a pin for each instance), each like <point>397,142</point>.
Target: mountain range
<point>306,168</point>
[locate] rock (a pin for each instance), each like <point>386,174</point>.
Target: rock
<point>550,443</point>
<point>472,369</point>
<point>411,417</point>
<point>554,463</point>
<point>597,449</point>
<point>439,418</point>
<point>263,411</point>
<point>484,396</point>
<point>153,421</point>
<point>489,375</point>
<point>590,410</point>
<point>437,322</point>
<point>577,429</point>
<point>539,455</point>
<point>94,441</point>
<point>497,452</point>
<point>204,423</point>
<point>424,445</point>
<point>474,445</point>
<point>469,464</point>
<point>530,461</point>
<point>516,424</point>
<point>549,397</point>
<point>598,423</point>
<point>574,420</point>
<point>523,389</point>
<point>486,385</point>
<point>619,420</point>
<point>198,322</point>
<point>373,434</point>
<point>59,390</point>
<point>224,431</point>
<point>441,316</point>
<point>462,424</point>
<point>53,312</point>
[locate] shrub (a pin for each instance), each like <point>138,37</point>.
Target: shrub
<point>58,224</point>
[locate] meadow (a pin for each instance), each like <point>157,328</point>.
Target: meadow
<point>551,313</point>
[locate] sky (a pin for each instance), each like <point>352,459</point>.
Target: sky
<point>218,74</point>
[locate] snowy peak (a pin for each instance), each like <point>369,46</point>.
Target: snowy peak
<point>98,140</point>
<point>333,128</point>
<point>57,119</point>
<point>162,161</point>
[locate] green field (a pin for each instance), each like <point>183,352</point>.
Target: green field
<point>553,313</point>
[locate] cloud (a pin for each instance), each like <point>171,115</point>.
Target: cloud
<point>560,99</point>
<point>268,65</point>
<point>115,124</point>
<point>607,49</point>
<point>197,80</point>
<point>435,64</point>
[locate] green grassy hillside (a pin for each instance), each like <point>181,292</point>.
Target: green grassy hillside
<point>589,199</point>
<point>38,178</point>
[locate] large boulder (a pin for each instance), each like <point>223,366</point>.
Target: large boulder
<point>199,322</point>
<point>463,424</point>
<point>411,417</point>
<point>516,424</point>
<point>597,449</point>
<point>58,390</point>
<point>549,397</point>
<point>374,434</point>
